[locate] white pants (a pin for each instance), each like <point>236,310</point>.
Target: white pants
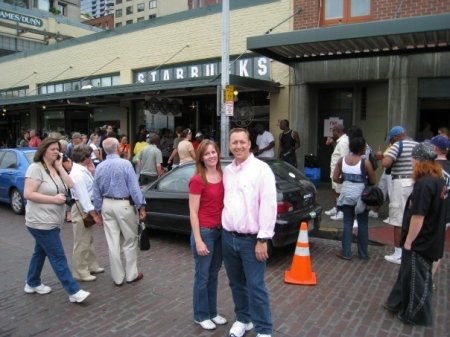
<point>400,191</point>
<point>120,217</point>
<point>84,259</point>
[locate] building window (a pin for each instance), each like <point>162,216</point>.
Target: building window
<point>152,4</point>
<point>118,13</point>
<point>129,22</point>
<point>152,16</point>
<point>62,8</point>
<point>118,2</point>
<point>140,7</point>
<point>140,19</point>
<point>345,11</point>
<point>129,10</point>
<point>118,24</point>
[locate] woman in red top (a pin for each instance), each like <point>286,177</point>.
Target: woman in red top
<point>124,148</point>
<point>206,194</point>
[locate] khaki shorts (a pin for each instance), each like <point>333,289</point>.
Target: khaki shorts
<point>400,191</point>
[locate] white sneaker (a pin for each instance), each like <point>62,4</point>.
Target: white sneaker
<point>79,296</point>
<point>355,224</point>
<point>239,329</point>
<point>386,220</point>
<point>207,324</point>
<point>41,289</point>
<point>332,211</point>
<point>263,335</point>
<point>373,214</point>
<point>219,320</point>
<point>393,258</point>
<point>339,216</point>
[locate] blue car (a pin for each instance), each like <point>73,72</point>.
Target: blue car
<point>13,165</point>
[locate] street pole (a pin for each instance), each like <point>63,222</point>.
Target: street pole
<point>225,77</point>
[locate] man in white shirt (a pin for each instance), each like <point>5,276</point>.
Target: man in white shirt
<point>248,221</point>
<point>341,149</point>
<point>84,260</point>
<point>264,142</point>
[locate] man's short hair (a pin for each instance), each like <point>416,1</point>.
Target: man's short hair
<point>235,130</point>
<point>110,145</point>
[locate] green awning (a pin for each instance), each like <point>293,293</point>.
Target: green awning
<point>377,38</point>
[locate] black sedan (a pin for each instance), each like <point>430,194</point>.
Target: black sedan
<point>168,201</point>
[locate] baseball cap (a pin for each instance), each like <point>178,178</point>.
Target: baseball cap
<point>441,142</point>
<point>423,151</point>
<point>395,131</point>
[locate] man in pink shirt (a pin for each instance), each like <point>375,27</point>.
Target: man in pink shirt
<point>248,221</point>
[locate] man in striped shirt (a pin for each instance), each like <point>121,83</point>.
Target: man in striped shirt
<point>398,159</point>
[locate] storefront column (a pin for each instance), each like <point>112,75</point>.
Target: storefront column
<point>402,96</point>
<point>35,122</point>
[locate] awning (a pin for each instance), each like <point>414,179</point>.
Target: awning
<point>105,95</point>
<point>397,36</point>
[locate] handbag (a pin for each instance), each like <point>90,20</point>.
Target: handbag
<point>88,220</point>
<point>143,237</point>
<point>372,196</point>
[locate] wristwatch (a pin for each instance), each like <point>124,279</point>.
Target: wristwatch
<point>261,240</point>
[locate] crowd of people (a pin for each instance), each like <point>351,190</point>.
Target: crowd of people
<point>415,181</point>
<point>232,211</point>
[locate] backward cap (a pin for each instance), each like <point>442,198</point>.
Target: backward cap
<point>395,131</point>
<point>423,151</point>
<point>441,142</point>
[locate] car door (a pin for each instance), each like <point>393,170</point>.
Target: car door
<point>168,201</point>
<point>8,168</point>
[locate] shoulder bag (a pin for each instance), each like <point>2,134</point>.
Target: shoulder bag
<point>372,196</point>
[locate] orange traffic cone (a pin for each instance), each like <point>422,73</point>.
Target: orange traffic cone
<point>300,272</point>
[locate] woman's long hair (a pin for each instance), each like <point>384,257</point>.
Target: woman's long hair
<point>200,168</point>
<point>427,168</point>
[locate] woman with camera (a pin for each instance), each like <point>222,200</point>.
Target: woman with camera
<point>84,260</point>
<point>46,191</point>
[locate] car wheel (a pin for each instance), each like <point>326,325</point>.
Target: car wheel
<point>16,201</point>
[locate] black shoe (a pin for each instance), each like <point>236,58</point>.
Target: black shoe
<point>390,309</point>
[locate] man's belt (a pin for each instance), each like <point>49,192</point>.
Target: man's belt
<point>114,198</point>
<point>248,235</point>
<point>401,176</point>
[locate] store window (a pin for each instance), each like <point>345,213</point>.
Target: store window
<point>129,10</point>
<point>152,4</point>
<point>140,19</point>
<point>15,92</point>
<point>118,24</point>
<point>118,13</point>
<point>152,16</point>
<point>53,121</point>
<point>62,8</point>
<point>129,22</point>
<point>140,7</point>
<point>345,11</point>
<point>118,2</point>
<point>102,81</point>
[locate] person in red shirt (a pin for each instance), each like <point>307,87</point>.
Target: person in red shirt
<point>198,139</point>
<point>35,141</point>
<point>206,194</point>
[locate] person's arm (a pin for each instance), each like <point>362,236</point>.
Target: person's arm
<point>194,205</point>
<point>62,171</point>
<point>415,226</point>
<point>191,151</point>
<point>337,173</point>
<point>31,193</point>
<point>390,156</point>
<point>297,140</point>
<point>372,178</point>
<point>172,155</point>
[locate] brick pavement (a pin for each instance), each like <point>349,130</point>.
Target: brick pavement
<point>346,301</point>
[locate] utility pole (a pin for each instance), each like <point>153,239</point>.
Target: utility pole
<point>225,78</point>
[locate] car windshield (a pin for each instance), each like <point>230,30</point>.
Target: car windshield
<point>286,176</point>
<point>29,156</point>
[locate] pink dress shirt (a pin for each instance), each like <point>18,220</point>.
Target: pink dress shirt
<point>250,203</point>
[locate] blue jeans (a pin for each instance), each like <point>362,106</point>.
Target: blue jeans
<point>363,232</point>
<point>206,274</point>
<point>246,275</point>
<point>48,244</point>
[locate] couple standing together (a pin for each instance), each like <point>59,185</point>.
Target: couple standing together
<point>233,216</point>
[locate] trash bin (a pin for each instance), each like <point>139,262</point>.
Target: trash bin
<point>312,169</point>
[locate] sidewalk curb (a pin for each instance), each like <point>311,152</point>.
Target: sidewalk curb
<point>332,233</point>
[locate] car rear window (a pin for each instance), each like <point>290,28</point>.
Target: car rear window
<point>286,176</point>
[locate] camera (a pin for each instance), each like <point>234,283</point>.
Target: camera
<point>69,200</point>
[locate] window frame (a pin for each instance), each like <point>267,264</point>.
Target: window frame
<point>346,15</point>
